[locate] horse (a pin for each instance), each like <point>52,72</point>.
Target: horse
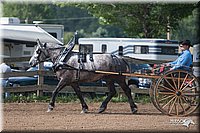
<point>73,75</point>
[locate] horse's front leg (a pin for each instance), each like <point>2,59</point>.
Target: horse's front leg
<point>127,91</point>
<point>112,92</point>
<point>60,85</point>
<point>76,88</point>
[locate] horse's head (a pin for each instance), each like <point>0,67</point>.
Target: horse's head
<point>40,54</point>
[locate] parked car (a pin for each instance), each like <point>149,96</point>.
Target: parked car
<point>50,80</point>
<point>140,82</point>
<point>23,81</point>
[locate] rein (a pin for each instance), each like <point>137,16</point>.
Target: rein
<point>57,59</point>
<point>63,47</point>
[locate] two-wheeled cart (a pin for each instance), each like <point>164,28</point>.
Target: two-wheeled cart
<point>175,92</point>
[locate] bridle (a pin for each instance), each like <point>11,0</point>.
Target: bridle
<point>45,51</point>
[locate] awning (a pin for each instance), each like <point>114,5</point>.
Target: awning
<point>26,34</point>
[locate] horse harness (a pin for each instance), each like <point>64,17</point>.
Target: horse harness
<point>63,55</point>
<point>60,64</point>
<point>82,58</point>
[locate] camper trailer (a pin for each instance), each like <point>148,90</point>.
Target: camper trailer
<point>146,49</point>
<point>19,39</point>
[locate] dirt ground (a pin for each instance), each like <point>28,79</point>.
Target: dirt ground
<point>66,117</point>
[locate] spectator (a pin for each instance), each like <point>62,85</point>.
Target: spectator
<point>4,68</point>
<point>4,81</point>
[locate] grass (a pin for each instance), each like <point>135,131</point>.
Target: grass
<point>32,97</point>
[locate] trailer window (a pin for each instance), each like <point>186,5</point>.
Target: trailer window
<point>168,50</point>
<point>86,48</point>
<point>120,51</point>
<point>53,34</point>
<point>27,52</point>
<point>104,48</point>
<point>141,49</point>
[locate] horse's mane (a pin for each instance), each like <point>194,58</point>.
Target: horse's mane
<point>55,45</point>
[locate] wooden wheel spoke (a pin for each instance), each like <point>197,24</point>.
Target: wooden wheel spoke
<point>172,105</point>
<point>181,104</point>
<point>190,100</point>
<point>166,88</point>
<point>166,93</point>
<point>188,84</point>
<point>179,76</point>
<point>168,102</point>
<point>191,94</point>
<point>174,81</point>
<point>170,84</point>
<point>190,89</point>
<point>167,97</point>
<point>183,82</point>
<point>183,98</point>
<point>176,106</point>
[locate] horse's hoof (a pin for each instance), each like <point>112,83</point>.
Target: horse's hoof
<point>102,109</point>
<point>84,111</point>
<point>50,108</point>
<point>134,110</point>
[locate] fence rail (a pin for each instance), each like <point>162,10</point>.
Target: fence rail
<point>41,87</point>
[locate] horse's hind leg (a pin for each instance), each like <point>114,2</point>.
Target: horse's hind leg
<point>121,81</point>
<point>112,92</point>
<point>76,88</point>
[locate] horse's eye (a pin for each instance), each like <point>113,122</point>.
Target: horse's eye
<point>38,51</point>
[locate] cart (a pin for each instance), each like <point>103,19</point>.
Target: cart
<point>172,92</point>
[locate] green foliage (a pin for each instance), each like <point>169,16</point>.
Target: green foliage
<point>119,99</point>
<point>66,99</point>
<point>31,97</point>
<point>115,19</point>
<point>100,32</point>
<point>28,12</point>
<point>67,36</point>
<point>143,99</point>
<point>140,20</point>
<point>21,98</point>
<point>187,28</point>
<point>73,18</point>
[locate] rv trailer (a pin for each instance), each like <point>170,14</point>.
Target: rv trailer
<point>146,49</point>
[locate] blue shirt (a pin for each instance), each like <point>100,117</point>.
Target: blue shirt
<point>184,61</point>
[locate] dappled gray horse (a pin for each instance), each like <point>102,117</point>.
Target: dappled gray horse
<point>68,75</point>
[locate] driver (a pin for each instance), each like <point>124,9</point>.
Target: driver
<point>184,61</point>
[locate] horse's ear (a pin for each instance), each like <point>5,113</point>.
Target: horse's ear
<point>76,37</point>
<point>45,44</point>
<point>39,43</point>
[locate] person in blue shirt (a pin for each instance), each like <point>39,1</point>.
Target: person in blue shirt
<point>184,61</point>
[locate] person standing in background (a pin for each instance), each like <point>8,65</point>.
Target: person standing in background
<point>4,81</point>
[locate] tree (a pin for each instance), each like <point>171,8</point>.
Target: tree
<point>27,12</point>
<point>100,32</point>
<point>73,18</point>
<point>187,28</point>
<point>140,20</point>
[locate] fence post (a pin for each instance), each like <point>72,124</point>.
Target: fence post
<point>40,79</point>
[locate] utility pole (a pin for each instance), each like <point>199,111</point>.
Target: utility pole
<point>26,20</point>
<point>168,29</point>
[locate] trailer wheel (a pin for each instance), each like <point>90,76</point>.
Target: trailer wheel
<point>176,93</point>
